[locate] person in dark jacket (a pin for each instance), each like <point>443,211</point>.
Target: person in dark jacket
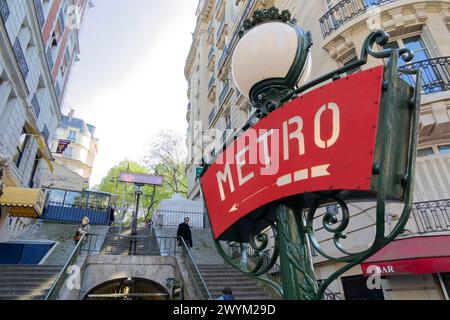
<point>227,295</point>
<point>184,231</point>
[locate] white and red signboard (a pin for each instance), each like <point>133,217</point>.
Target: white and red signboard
<point>323,140</point>
<point>142,179</point>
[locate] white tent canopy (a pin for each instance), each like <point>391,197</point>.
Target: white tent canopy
<point>171,213</point>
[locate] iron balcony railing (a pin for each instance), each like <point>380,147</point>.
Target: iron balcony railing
<point>224,93</point>
<point>220,30</point>
<point>222,59</point>
<point>435,74</point>
<point>4,10</point>
<point>212,115</point>
<point>40,13</point>
<point>432,216</point>
<point>21,60</point>
<point>344,11</point>
<point>211,53</point>
<point>211,83</point>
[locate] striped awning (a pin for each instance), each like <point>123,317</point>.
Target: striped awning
<point>22,202</point>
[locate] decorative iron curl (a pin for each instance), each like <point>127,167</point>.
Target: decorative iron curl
<point>259,242</point>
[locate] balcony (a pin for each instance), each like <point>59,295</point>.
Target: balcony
<point>432,216</point>
<point>4,11</point>
<point>188,112</point>
<point>224,94</point>
<point>211,59</point>
<point>211,31</point>
<point>40,13</point>
<point>212,90</point>
<point>344,11</point>
<point>36,106</point>
<point>211,116</point>
<point>221,63</point>
<point>220,9</point>
<point>435,74</point>
<point>221,35</point>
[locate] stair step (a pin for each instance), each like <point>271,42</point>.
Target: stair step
<point>20,281</point>
<point>23,292</point>
<point>23,298</point>
<point>29,272</point>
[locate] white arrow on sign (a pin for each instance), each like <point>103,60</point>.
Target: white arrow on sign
<point>320,171</point>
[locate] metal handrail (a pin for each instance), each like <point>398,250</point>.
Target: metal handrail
<point>62,276</point>
<point>200,285</point>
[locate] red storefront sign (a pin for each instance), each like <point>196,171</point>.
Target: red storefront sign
<point>418,255</point>
<point>323,140</point>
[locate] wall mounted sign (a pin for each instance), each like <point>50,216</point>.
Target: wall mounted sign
<point>62,146</point>
<point>141,179</point>
<point>62,178</point>
<point>324,140</point>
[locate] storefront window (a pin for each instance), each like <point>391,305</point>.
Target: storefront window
<point>355,288</point>
<point>56,197</point>
<point>73,200</point>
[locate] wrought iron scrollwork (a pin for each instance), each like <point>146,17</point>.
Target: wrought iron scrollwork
<point>293,247</point>
<point>262,256</point>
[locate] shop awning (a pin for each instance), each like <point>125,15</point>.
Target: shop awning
<point>418,255</point>
<point>24,203</point>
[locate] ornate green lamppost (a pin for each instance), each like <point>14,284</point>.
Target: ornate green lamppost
<point>270,66</point>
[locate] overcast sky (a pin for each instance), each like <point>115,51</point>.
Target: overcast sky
<point>130,81</point>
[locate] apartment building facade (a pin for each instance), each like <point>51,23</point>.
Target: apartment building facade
<point>81,146</point>
<point>339,29</point>
<point>39,45</point>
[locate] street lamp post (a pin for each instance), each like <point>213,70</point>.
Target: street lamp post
<point>134,221</point>
<point>270,66</point>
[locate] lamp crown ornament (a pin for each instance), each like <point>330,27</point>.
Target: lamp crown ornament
<point>265,15</point>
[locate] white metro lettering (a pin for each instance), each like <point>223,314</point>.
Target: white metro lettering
<point>258,152</point>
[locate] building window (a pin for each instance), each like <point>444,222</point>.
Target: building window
<point>72,136</point>
<point>422,153</point>
<point>20,150</point>
<point>33,172</point>
<point>69,152</point>
<point>45,133</point>
<point>415,44</point>
<point>355,70</point>
<point>444,149</point>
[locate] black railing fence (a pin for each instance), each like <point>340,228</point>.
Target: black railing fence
<point>172,219</point>
<point>435,74</point>
<point>432,216</point>
<point>346,10</point>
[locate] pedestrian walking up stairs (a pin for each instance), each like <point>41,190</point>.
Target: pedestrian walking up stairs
<point>219,276</point>
<point>26,282</point>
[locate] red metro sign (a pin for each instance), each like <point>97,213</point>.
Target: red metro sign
<point>322,141</point>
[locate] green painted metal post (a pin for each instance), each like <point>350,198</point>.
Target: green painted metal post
<point>297,271</point>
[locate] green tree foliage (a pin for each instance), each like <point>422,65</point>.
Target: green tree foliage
<point>166,157</point>
<point>126,201</point>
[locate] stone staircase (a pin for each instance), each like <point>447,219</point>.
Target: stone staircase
<point>26,282</point>
<point>119,243</point>
<point>219,276</point>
